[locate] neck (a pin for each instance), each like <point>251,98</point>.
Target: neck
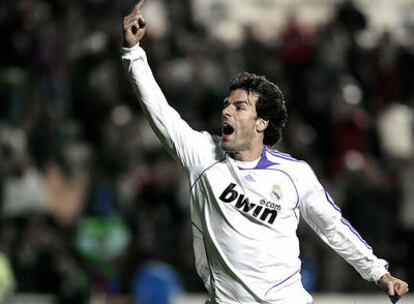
<point>248,155</point>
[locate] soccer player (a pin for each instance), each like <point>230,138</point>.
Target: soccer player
<point>246,198</point>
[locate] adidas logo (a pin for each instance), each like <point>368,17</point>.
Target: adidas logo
<point>249,178</point>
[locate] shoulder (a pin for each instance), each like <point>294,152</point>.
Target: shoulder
<point>299,169</point>
<point>287,161</point>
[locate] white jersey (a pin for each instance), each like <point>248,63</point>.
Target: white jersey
<point>245,214</point>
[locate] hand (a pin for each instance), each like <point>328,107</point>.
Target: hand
<point>134,26</point>
<point>393,287</point>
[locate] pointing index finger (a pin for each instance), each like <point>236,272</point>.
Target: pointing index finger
<point>139,6</point>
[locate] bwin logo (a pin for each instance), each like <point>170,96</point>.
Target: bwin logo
<point>242,203</point>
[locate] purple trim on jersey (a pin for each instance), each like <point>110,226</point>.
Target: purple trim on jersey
<point>280,155</point>
<point>263,163</point>
<point>345,222</point>
<point>283,281</point>
<point>348,224</point>
<point>330,200</point>
<point>201,174</point>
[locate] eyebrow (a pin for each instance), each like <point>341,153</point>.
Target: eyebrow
<point>237,102</point>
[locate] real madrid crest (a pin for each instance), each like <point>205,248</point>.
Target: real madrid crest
<point>277,192</point>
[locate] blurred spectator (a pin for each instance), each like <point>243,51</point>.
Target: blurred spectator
<point>100,242</point>
<point>396,129</point>
<point>7,281</point>
<point>351,17</point>
<point>23,189</point>
<point>297,53</point>
<point>155,283</point>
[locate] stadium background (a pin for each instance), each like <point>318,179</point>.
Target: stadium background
<point>87,194</point>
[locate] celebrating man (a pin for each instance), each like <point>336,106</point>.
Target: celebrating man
<point>246,198</point>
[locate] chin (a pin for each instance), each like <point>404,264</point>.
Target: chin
<point>228,147</point>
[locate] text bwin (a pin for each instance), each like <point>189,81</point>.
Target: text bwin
<point>242,203</point>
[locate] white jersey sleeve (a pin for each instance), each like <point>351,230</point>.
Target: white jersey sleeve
<point>325,218</point>
<point>185,145</point>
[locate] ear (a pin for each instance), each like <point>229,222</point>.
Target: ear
<point>261,125</point>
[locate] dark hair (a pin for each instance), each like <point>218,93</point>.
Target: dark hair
<point>269,106</point>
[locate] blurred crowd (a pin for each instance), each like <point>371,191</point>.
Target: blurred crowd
<point>91,205</point>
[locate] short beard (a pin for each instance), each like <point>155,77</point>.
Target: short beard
<point>229,148</point>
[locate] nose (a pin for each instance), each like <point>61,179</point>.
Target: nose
<point>226,112</point>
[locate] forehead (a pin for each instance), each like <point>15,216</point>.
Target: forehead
<point>242,95</point>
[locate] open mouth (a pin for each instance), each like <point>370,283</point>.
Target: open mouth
<point>227,129</point>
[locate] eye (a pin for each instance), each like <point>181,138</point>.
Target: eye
<point>225,103</point>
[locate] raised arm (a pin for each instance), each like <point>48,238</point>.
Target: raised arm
<point>321,213</point>
<point>186,145</point>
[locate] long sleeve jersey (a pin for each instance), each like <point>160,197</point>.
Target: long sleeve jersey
<point>245,214</point>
